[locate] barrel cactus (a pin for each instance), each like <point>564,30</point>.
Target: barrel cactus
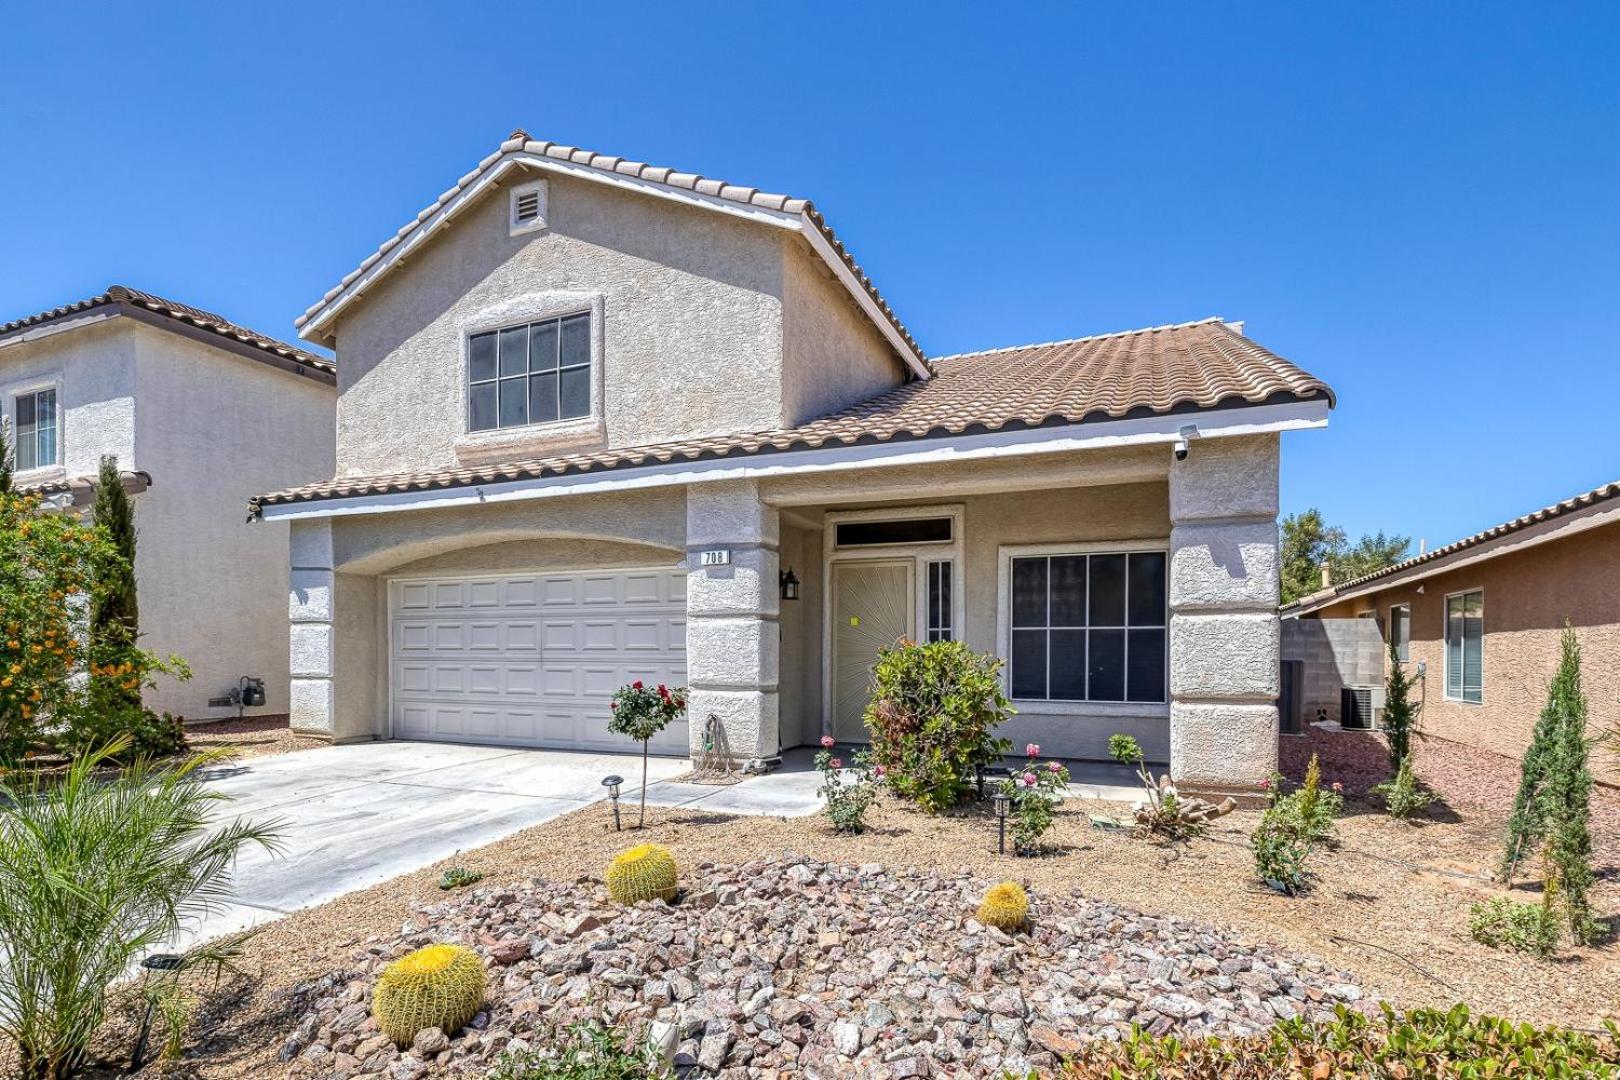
<point>645,872</point>
<point>440,986</point>
<point>1005,906</point>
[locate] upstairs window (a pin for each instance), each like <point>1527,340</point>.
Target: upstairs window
<point>537,373</point>
<point>1089,627</point>
<point>36,430</point>
<point>1465,646</point>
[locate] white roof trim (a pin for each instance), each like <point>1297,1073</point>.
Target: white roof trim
<point>1215,423</point>
<point>314,324</point>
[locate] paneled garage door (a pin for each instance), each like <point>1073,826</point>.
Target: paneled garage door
<point>533,659</point>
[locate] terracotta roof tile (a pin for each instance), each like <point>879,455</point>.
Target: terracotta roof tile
<point>185,313</point>
<point>1167,369</point>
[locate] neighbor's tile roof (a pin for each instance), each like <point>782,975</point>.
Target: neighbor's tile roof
<point>519,142</point>
<point>1167,369</point>
<point>185,313</point>
<point>1535,517</point>
<point>83,488</point>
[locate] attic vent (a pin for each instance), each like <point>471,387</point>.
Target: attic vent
<point>528,206</point>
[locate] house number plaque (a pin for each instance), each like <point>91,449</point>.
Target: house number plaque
<point>715,557</point>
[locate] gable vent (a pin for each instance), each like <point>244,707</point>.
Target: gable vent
<point>528,206</point>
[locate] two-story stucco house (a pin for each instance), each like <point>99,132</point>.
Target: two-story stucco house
<point>601,421</point>
<point>201,414</point>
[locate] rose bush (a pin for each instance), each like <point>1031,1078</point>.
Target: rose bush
<point>641,712</point>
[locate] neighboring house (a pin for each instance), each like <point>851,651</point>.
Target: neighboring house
<point>600,421</point>
<point>201,414</point>
<point>1480,619</point>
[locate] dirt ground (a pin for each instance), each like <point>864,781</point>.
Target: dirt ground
<point>255,736</point>
<point>1390,905</point>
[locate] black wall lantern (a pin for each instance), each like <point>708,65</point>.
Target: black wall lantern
<point>789,583</point>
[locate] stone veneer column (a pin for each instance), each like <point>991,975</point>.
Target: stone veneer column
<point>310,591</point>
<point>732,638</point>
<point>1224,640</point>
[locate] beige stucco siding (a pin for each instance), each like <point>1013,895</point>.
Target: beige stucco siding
<point>690,325</point>
<point>1528,597</point>
<point>833,356</point>
<point>93,369</point>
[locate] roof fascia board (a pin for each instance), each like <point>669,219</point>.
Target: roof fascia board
<point>226,343</point>
<point>61,325</point>
<point>822,247</point>
<point>1542,532</point>
<point>1218,423</point>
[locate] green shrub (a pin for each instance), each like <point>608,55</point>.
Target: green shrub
<point>590,1050</point>
<point>1512,924</point>
<point>1281,852</point>
<point>439,986</point>
<point>847,800</point>
<point>932,716</point>
<point>95,873</point>
<point>1404,797</point>
<point>1427,1043</point>
<point>458,877</point>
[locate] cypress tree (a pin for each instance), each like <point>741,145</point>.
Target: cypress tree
<point>114,613</point>
<point>1567,799</point>
<point>1527,825</point>
<point>1400,711</point>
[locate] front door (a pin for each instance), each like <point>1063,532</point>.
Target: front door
<point>873,606</point>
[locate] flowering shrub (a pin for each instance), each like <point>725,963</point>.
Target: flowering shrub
<point>933,715</point>
<point>641,712</point>
<point>1292,826</point>
<point>1035,790</point>
<point>849,788</point>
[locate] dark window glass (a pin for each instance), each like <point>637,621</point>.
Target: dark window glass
<point>514,402</point>
<point>514,378</point>
<point>483,407</point>
<point>1068,659</point>
<point>1029,592</point>
<point>543,346</point>
<point>576,341</point>
<point>1107,665</point>
<point>576,392</point>
<point>542,397</point>
<point>1147,588</point>
<point>481,357</point>
<point>1029,663</point>
<point>907,531</point>
<point>1400,631</point>
<point>1069,590</point>
<point>939,601</point>
<point>514,351</point>
<point>27,433</point>
<point>1145,667</point>
<point>1108,590</point>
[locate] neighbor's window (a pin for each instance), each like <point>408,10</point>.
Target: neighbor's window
<point>532,374</point>
<point>1400,631</point>
<point>36,429</point>
<point>1089,627</point>
<point>939,601</point>
<point>1465,641</point>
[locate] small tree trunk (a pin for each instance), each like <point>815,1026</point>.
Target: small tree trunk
<point>641,818</point>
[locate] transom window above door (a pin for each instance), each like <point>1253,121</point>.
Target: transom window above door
<point>36,429</point>
<point>536,373</point>
<point>1088,627</point>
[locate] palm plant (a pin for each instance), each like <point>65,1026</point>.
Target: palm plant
<point>95,872</point>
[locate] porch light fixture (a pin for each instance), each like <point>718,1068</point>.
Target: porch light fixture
<point>154,962</point>
<point>612,784</point>
<point>1003,803</point>
<point>789,584</point>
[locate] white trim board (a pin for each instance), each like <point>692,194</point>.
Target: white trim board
<point>1024,442</point>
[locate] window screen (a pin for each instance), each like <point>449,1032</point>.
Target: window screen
<point>1465,646</point>
<point>1089,627</point>
<point>532,374</point>
<point>36,430</point>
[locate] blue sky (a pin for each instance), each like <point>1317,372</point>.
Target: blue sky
<point>1419,203</point>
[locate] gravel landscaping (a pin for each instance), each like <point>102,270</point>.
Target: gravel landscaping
<point>790,967</point>
<point>254,736</point>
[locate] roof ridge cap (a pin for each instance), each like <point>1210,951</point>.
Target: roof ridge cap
<point>1080,340</point>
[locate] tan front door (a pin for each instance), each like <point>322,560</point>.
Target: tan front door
<point>873,606</point>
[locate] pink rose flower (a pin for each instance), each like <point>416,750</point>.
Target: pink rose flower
<point>880,772</point>
<point>1337,786</point>
<point>828,742</point>
<point>1029,779</point>
<point>1052,766</point>
<point>1033,750</point>
<point>1265,785</point>
<point>837,763</point>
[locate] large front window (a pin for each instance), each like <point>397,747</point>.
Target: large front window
<point>36,429</point>
<point>1465,646</point>
<point>532,374</point>
<point>1089,627</point>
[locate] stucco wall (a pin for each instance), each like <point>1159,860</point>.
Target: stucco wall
<point>832,354</point>
<point>93,368</point>
<point>1528,596</point>
<point>691,327</point>
<point>214,429</point>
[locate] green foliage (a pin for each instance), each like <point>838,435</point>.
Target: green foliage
<point>439,986</point>
<point>1400,711</point>
<point>589,1050</point>
<point>932,716</point>
<point>8,459</point>
<point>1432,1044</point>
<point>1292,827</point>
<point>94,873</point>
<point>1035,790</point>
<point>1404,797</point>
<point>115,618</point>
<point>1005,906</point>
<point>1512,924</point>
<point>1527,824</point>
<point>459,877</point>
<point>1309,543</point>
<point>645,872</point>
<point>848,797</point>
<point>641,712</point>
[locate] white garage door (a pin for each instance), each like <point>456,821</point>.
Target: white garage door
<point>533,659</point>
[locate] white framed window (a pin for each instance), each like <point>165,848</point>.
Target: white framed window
<point>1086,625</point>
<point>1465,646</point>
<point>941,599</point>
<point>533,373</point>
<point>1400,631</point>
<point>36,429</point>
<point>526,207</point>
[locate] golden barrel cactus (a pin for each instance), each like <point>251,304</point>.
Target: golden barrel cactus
<point>440,986</point>
<point>1005,906</point>
<point>645,872</point>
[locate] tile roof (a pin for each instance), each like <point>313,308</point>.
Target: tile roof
<point>83,488</point>
<point>183,313</point>
<point>1547,513</point>
<point>1154,371</point>
<point>520,143</point>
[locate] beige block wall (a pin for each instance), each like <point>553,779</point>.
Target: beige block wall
<point>1528,597</point>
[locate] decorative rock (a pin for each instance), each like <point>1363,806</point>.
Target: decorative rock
<point>429,1041</point>
<point>847,1038</point>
